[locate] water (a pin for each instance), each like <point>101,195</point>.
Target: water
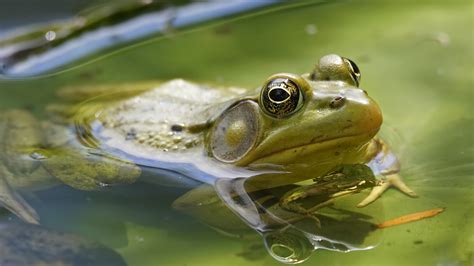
<point>416,61</point>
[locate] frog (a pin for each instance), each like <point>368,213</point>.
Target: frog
<point>289,132</point>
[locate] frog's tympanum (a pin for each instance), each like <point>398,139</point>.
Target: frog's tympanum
<point>300,140</point>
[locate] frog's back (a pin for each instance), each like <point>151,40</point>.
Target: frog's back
<point>154,126</point>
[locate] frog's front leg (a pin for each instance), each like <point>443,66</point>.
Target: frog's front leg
<point>385,183</point>
<point>289,201</point>
<point>344,180</point>
<point>387,164</point>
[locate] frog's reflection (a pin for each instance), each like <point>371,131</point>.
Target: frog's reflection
<point>291,225</point>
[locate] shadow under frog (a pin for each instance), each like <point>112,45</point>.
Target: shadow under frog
<point>290,132</point>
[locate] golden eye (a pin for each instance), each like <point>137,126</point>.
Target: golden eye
<point>354,70</point>
<point>281,97</point>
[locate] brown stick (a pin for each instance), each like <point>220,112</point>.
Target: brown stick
<point>411,218</point>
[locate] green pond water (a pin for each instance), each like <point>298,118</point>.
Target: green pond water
<point>416,62</point>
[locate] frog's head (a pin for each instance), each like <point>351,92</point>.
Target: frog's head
<point>321,116</point>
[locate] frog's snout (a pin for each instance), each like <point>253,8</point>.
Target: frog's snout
<point>356,112</point>
<point>371,115</point>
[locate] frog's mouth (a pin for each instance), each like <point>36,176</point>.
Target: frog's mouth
<point>322,150</point>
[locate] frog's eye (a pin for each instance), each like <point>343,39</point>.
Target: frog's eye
<point>333,67</point>
<point>354,70</point>
<point>280,97</point>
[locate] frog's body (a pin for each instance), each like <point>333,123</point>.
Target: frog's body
<point>303,125</point>
<point>164,127</point>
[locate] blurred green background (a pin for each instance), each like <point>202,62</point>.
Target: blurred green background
<point>416,60</point>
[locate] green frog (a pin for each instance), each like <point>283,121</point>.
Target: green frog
<point>288,132</point>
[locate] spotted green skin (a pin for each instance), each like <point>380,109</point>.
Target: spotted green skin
<point>177,121</point>
<point>36,155</point>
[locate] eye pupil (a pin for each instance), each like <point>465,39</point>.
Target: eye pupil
<point>281,97</point>
<point>278,95</point>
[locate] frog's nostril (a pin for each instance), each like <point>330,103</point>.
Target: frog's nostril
<point>337,102</point>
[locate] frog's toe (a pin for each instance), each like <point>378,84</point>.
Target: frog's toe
<point>20,209</point>
<point>396,181</point>
<point>389,180</point>
<point>316,220</point>
<point>13,201</point>
<point>374,194</point>
<point>17,205</point>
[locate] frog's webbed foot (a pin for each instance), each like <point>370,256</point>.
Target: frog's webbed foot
<point>12,201</point>
<point>388,181</point>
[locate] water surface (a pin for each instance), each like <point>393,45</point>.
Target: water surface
<point>416,61</point>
